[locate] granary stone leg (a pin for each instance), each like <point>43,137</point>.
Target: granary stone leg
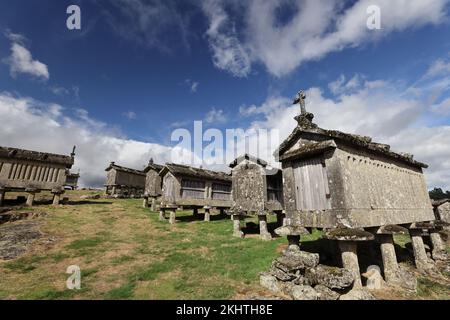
<point>145,203</point>
<point>173,216</point>
<point>2,196</point>
<point>263,232</point>
<point>350,260</point>
<point>153,208</point>
<point>113,191</point>
<point>30,199</point>
<point>390,264</point>
<point>207,214</point>
<point>56,198</point>
<point>439,252</point>
<point>237,232</point>
<point>420,255</point>
<point>162,215</point>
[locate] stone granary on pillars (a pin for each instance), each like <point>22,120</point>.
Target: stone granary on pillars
<point>33,172</point>
<point>124,182</point>
<point>195,188</point>
<point>72,181</point>
<point>354,188</point>
<point>152,184</point>
<point>257,190</point>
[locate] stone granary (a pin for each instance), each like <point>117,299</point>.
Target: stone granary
<point>124,182</point>
<point>72,181</point>
<point>152,184</point>
<point>195,188</point>
<point>357,190</point>
<point>33,172</point>
<point>442,209</point>
<point>257,190</point>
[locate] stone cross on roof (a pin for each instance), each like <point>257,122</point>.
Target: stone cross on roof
<point>300,99</point>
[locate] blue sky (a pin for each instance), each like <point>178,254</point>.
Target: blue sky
<point>139,69</point>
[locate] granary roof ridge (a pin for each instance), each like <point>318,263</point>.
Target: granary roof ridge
<point>6,152</point>
<point>125,169</point>
<point>154,166</point>
<point>353,139</point>
<point>247,156</point>
<point>197,172</point>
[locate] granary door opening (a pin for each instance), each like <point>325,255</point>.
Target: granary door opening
<point>311,185</point>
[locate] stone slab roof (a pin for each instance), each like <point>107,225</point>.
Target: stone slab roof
<point>124,169</point>
<point>182,170</point>
<point>153,166</point>
<point>22,154</point>
<point>307,126</point>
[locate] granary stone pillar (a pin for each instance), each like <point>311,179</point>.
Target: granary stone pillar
<point>31,196</point>
<point>263,231</point>
<point>237,232</point>
<point>153,208</point>
<point>173,216</point>
<point>347,239</point>
<point>349,258</point>
<point>439,252</point>
<point>293,234</point>
<point>389,257</point>
<point>162,215</point>
<point>207,214</point>
<point>145,202</point>
<point>420,255</point>
<point>57,196</point>
<point>113,191</point>
<point>2,196</point>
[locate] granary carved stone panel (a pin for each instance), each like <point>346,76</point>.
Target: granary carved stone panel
<point>249,187</point>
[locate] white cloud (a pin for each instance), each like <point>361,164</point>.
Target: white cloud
<point>215,116</point>
<point>316,28</point>
<point>21,60</point>
<point>228,52</point>
<point>193,85</point>
<point>440,67</point>
<point>130,115</point>
<point>34,125</point>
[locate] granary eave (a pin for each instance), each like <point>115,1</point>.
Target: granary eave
<point>183,170</point>
<point>246,156</point>
<point>309,150</point>
<point>14,153</point>
<point>349,139</point>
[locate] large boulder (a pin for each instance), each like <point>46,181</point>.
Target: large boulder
<point>299,292</point>
<point>325,293</point>
<point>292,261</point>
<point>357,294</point>
<point>281,275</point>
<point>331,277</point>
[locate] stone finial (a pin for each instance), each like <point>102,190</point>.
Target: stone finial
<point>300,99</point>
<point>151,161</point>
<point>305,118</point>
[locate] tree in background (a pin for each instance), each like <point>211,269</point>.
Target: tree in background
<point>438,194</point>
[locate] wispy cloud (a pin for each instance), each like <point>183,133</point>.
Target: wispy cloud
<point>21,60</point>
<point>193,85</point>
<point>130,115</point>
<point>215,116</point>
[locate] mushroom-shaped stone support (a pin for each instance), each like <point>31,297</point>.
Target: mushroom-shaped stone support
<point>384,235</point>
<point>347,239</point>
<point>293,234</point>
<point>420,255</point>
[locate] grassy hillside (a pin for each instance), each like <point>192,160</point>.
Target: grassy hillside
<point>125,252</point>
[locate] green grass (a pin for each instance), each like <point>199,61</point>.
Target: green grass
<point>125,252</point>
